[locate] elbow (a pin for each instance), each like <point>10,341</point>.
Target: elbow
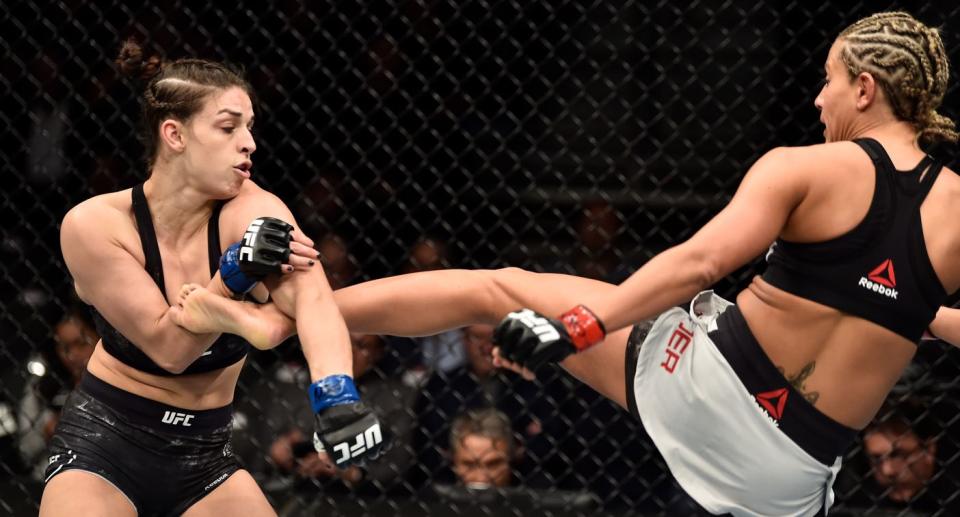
<point>172,362</point>
<point>704,268</point>
<point>498,287</point>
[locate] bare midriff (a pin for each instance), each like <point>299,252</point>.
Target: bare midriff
<point>199,391</point>
<point>843,364</point>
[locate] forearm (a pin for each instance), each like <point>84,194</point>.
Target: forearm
<point>174,347</point>
<point>946,325</point>
<point>672,277</point>
<point>307,298</point>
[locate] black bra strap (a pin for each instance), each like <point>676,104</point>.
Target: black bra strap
<point>213,239</point>
<point>874,150</point>
<point>909,181</point>
<point>148,238</point>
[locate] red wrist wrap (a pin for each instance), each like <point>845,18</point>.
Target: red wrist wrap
<point>583,326</point>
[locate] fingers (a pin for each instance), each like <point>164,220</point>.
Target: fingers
<point>302,258</point>
<point>500,362</point>
<point>297,263</point>
<point>301,238</point>
<point>303,250</point>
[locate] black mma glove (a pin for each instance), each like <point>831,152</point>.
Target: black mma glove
<point>532,340</point>
<point>265,247</point>
<point>346,428</point>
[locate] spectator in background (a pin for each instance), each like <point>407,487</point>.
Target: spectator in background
<point>482,448</point>
<point>907,458</point>
<point>64,361</point>
<point>595,255</point>
<point>284,428</point>
<point>443,352</point>
<point>476,385</point>
<point>337,261</point>
<point>910,465</point>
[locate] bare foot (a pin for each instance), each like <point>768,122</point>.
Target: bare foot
<point>203,312</point>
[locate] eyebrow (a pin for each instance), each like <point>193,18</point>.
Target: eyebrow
<point>233,114</point>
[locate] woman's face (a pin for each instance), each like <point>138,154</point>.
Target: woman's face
<point>74,342</point>
<point>837,100</point>
<point>219,143</point>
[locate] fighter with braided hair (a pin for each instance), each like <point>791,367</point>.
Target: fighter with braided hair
<point>753,403</point>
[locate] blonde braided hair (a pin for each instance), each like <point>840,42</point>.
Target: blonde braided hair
<point>909,63</point>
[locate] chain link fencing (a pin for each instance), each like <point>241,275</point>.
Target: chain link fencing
<point>565,136</point>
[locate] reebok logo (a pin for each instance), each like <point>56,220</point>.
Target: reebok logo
<point>881,280</point>
<point>540,326</point>
<point>174,418</point>
<point>773,403</point>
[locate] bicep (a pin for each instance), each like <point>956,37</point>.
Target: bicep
<point>112,280</point>
<point>253,204</point>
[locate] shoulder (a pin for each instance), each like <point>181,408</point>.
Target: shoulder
<point>803,166</point>
<point>99,214</point>
<point>817,155</point>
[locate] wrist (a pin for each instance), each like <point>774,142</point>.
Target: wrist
<point>332,390</point>
<point>233,278</point>
<point>585,329</point>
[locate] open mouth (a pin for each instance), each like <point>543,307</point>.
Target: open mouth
<point>243,169</point>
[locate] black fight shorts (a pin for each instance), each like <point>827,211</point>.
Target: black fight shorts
<point>163,458</point>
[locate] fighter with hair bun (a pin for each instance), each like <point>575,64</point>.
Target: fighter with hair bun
<point>148,430</point>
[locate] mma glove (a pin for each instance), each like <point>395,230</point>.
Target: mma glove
<point>531,340</point>
<point>265,247</point>
<point>346,428</point>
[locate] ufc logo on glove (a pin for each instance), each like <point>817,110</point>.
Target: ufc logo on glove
<point>368,439</point>
<point>249,237</point>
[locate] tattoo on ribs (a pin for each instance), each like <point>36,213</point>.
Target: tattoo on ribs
<point>797,381</point>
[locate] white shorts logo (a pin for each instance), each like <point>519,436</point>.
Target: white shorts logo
<point>174,418</point>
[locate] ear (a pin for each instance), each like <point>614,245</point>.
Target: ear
<point>172,134</point>
<point>931,447</point>
<point>867,90</point>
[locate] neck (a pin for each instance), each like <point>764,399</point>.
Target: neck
<point>177,208</point>
<point>895,132</point>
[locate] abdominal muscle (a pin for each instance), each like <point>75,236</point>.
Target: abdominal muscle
<point>199,391</point>
<point>844,364</point>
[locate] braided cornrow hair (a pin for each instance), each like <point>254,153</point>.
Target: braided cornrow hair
<point>908,61</point>
<point>174,89</point>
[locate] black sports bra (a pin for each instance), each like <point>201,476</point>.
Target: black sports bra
<point>225,351</point>
<point>879,270</point>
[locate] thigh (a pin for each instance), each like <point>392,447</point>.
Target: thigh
<point>238,495</point>
<point>603,367</point>
<point>81,494</point>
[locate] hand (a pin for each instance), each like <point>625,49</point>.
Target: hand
<point>351,432</point>
<point>264,248</point>
<point>316,465</point>
<point>530,340</point>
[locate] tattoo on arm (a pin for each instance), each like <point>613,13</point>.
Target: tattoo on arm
<point>797,381</point>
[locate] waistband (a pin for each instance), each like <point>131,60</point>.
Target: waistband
<point>817,434</point>
<point>155,415</point>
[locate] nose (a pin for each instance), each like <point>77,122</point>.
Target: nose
<point>888,469</point>
<point>247,144</point>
